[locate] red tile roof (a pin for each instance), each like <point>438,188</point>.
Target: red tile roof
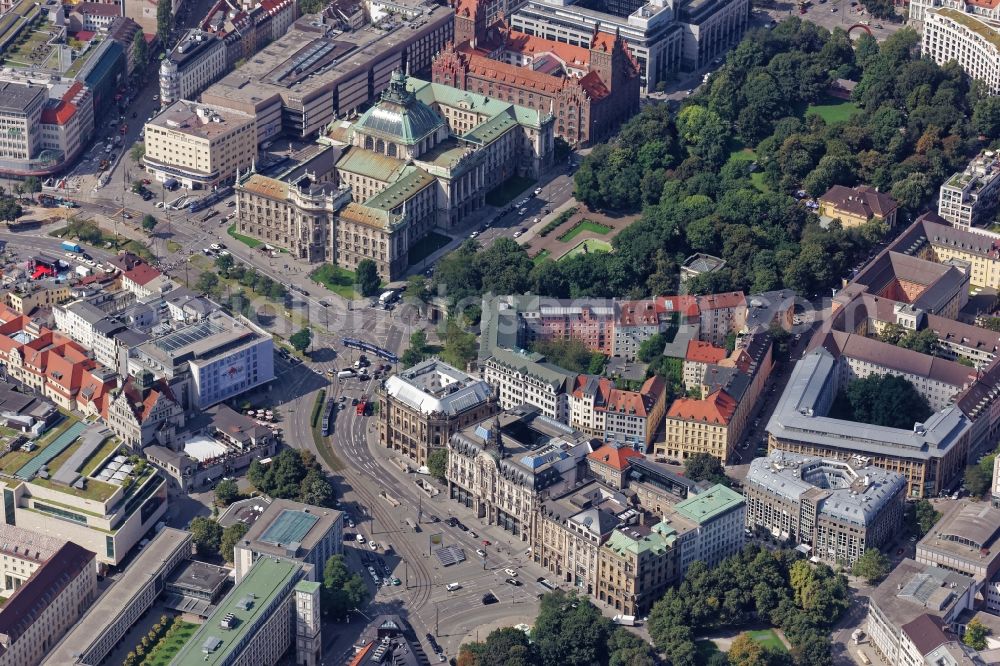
<point>638,313</point>
<point>730,299</point>
<point>704,352</point>
<point>717,408</point>
<point>61,112</point>
<point>686,305</point>
<point>142,274</point>
<point>529,45</point>
<point>862,200</point>
<point>614,456</point>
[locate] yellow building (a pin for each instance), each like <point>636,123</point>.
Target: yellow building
<point>699,426</point>
<point>635,565</point>
<point>199,145</point>
<point>856,206</point>
<point>25,302</point>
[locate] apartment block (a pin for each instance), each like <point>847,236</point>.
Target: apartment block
<point>699,426</point>
<point>969,38</point>
<point>721,314</point>
<point>717,518</point>
<point>292,531</point>
<point>610,464</point>
<point>968,199</point>
<point>616,416</point>
<point>423,406</point>
<point>839,509</point>
<point>48,604</point>
<point>635,565</point>
<point>197,61</point>
<point>199,145</point>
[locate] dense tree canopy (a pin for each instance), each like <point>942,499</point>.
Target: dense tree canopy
<point>292,475</point>
<point>887,400</point>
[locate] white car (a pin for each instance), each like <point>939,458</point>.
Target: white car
<point>360,538</point>
<point>373,545</point>
<point>480,552</point>
<point>160,204</point>
<point>451,587</point>
<point>69,255</point>
<point>510,572</point>
<point>517,234</point>
<point>473,234</point>
<point>538,191</point>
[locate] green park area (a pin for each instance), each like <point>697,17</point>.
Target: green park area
<point>587,247</point>
<point>338,280</point>
<point>541,256</point>
<point>252,243</point>
<point>164,651</point>
<point>833,110</point>
<point>585,225</point>
<point>768,639</point>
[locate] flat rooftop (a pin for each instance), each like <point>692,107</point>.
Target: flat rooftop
<point>248,603</point>
<point>202,339</point>
<point>16,97</point>
<point>284,522</point>
<point>434,386</point>
<point>199,120</point>
<point>968,532</point>
<point>913,589</point>
<point>714,502</point>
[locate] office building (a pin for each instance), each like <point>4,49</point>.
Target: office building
<point>930,237</point>
<point>292,531</point>
<point>423,406</point>
<point>965,540</point>
<point>20,124</point>
<point>717,519</point>
<point>101,629</point>
<point>665,37</point>
<point>388,639</point>
<point>198,145</point>
<point>143,411</point>
<point>616,416</point>
<point>913,611</point>
<point>26,298</point>
<point>503,467</point>
<point>657,488</point>
<point>857,206</point>
<point>210,360</point>
<point>143,12</point>
<point>572,527</point>
<point>318,72</point>
<point>590,89</point>
<point>919,9</point>
<point>23,552</point>
<point>635,565</point>
<point>839,508</point>
<point>251,26</point>
<point>968,199</point>
<point>971,40</point>
<point>48,604</point>
<point>931,456</point>
<point>610,464</point>
<point>197,61</point>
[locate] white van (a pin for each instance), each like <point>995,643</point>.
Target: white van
<point>344,374</point>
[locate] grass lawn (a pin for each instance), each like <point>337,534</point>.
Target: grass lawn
<point>541,256</point>
<point>100,455</point>
<point>585,225</point>
<point>590,245</point>
<point>174,247</point>
<point>337,280</point>
<point>768,639</point>
<point>757,179</point>
<point>427,246</point>
<point>508,190</point>
<point>833,110</point>
<point>167,648</point>
<point>252,243</point>
<point>99,491</point>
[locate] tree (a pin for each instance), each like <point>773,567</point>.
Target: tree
<point>301,340</point>
<point>230,537</point>
<point>571,354</point>
<point>367,275</point>
<point>342,590</point>
<point>316,489</point>
<point>745,651</point>
<point>986,117</point>
<point>206,535</point>
<point>652,347</point>
<point>887,400</point>
<point>207,283</point>
<point>32,184</point>
<point>975,634</point>
<point>226,492</point>
<point>505,646</point>
<point>872,566</point>
<point>926,515</point>
<point>225,263</point>
<point>704,467</point>
<point>148,222</point>
<point>138,152</point>
<point>570,631</point>
<point>437,463</point>
<point>164,20</point>
<point>976,481</point>
<point>10,210</point>
<point>140,52</point>
<point>417,351</point>
<point>459,344</point>
<point>311,6</point>
<point>627,649</point>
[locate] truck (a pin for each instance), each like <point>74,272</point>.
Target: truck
<point>626,620</point>
<point>344,374</point>
<point>388,297</point>
<point>69,246</point>
<point>362,408</point>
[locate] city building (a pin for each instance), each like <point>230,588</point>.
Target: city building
<point>700,264</point>
<point>635,565</point>
<point>504,467</point>
<point>388,639</point>
<point>105,505</point>
<point>589,89</point>
<point>123,30</point>
<point>968,199</point>
<point>250,27</point>
<point>573,525</point>
<point>424,155</point>
<point>23,552</point>
<point>59,590</point>
<point>210,360</point>
<point>700,355</point>
<point>964,540</point>
<point>198,145</point>
<point>717,518</point>
<point>857,206</point>
<point>610,464</point>
<point>721,315</point>
<point>317,71</point>
<point>292,531</point>
<point>101,629</point>
<point>196,62</point>
<point>20,124</point>
<point>931,456</point>
<point>143,411</point>
<point>665,37</point>
<point>423,406</point>
<point>144,281</point>
<point>67,121</point>
<point>700,426</point>
<point>913,611</point>
<point>971,40</point>
<point>839,508</point>
<point>657,488</point>
<point>617,416</point>
<point>919,9</point>
<point>273,608</point>
<point>25,299</point>
<point>143,12</point>
<point>931,238</point>
<point>92,16</point>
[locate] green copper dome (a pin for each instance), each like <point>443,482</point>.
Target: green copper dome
<point>399,116</point>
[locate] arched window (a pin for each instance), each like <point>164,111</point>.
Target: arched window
<point>380,146</point>
<point>369,143</point>
<point>392,150</point>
